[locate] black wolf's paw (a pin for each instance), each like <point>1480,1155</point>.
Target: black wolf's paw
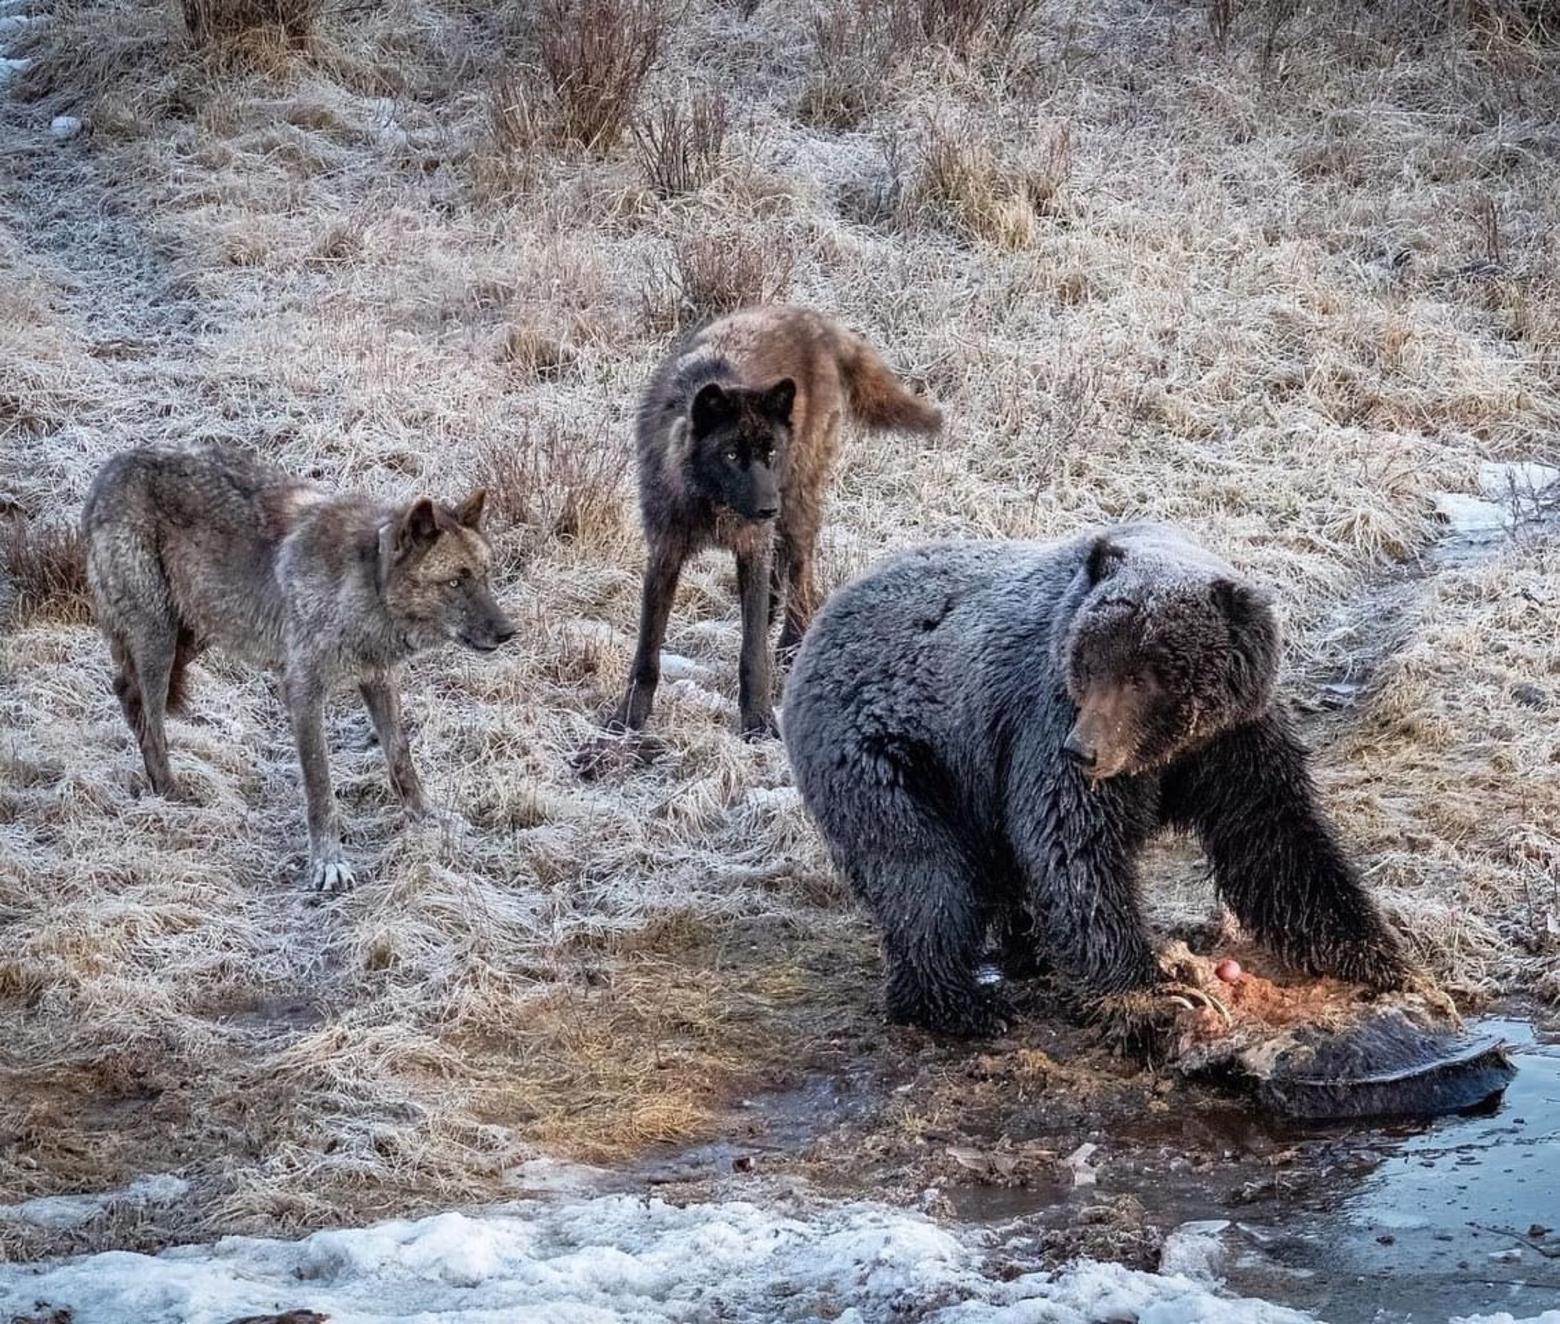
<point>760,726</point>
<point>615,751</point>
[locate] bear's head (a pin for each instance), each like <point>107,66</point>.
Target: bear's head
<point>1160,655</point>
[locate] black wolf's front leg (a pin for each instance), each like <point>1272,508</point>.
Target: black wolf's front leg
<point>660,589</point>
<point>328,871</point>
<point>1249,797</point>
<point>753,698</point>
<point>382,697</point>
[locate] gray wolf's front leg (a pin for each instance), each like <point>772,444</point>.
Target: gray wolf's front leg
<point>328,871</point>
<point>382,697</point>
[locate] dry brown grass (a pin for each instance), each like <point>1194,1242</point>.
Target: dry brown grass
<point>43,572</point>
<point>595,56</point>
<point>682,143</point>
<point>1254,295</point>
<point>711,274</point>
<point>224,20</point>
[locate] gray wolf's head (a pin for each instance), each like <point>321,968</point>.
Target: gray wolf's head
<point>436,580</point>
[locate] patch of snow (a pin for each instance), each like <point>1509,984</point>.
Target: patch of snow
<point>1471,516</point>
<point>1548,1317</point>
<point>558,1177</point>
<point>10,67</point>
<point>1501,480</point>
<point>617,1259</point>
<point>1196,1250</point>
<point>68,1211</point>
<point>64,126</point>
<point>10,23</point>
<point>674,666</point>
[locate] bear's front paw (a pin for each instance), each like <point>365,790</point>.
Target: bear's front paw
<point>1159,1019</point>
<point>983,1014</point>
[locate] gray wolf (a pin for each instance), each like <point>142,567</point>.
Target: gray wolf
<point>738,432</point>
<point>988,733</point>
<point>190,549</point>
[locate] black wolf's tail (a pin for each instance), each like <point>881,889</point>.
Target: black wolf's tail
<point>877,397</point>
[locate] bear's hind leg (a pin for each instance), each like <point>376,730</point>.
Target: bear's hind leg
<point>934,932</point>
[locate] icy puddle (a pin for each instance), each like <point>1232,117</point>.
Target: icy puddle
<point>1461,1216</point>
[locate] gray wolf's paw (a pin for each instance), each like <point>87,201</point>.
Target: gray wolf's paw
<point>330,874</point>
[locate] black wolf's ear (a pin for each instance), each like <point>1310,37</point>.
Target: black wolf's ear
<point>710,408</point>
<point>418,528</point>
<point>1104,557</point>
<point>778,400</point>
<point>469,512</point>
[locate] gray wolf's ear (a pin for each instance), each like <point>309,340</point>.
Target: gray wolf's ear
<point>778,400</point>
<point>469,512</point>
<point>1104,557</point>
<point>418,527</point>
<point>710,408</point>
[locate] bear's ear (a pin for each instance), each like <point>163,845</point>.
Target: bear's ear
<point>1253,629</point>
<point>1104,557</point>
<point>710,408</point>
<point>778,400</point>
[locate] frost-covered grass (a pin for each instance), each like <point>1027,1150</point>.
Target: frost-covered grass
<point>1285,291</point>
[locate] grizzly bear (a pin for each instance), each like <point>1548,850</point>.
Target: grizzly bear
<point>988,733</point>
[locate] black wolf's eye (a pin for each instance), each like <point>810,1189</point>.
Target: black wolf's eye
<point>732,456</point>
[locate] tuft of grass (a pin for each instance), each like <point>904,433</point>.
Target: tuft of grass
<point>212,21</point>
<point>965,186</point>
<point>681,145</point>
<point>709,275</point>
<point>856,44</point>
<point>967,27</point>
<point>552,485</point>
<point>595,57</point>
<point>43,572</point>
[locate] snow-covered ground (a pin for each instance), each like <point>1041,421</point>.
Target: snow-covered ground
<point>606,1259</point>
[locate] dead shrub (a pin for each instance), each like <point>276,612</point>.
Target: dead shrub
<point>681,144</point>
<point>963,185</point>
<point>595,57</point>
<point>552,485</point>
<point>532,351</point>
<point>43,571</point>
<point>855,46</point>
<point>212,21</point>
<point>966,27</point>
<point>709,275</point>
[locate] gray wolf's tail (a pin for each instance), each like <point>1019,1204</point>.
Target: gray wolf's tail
<point>877,397</point>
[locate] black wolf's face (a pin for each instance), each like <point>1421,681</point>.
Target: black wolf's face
<point>737,438</point>
<point>437,584</point>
